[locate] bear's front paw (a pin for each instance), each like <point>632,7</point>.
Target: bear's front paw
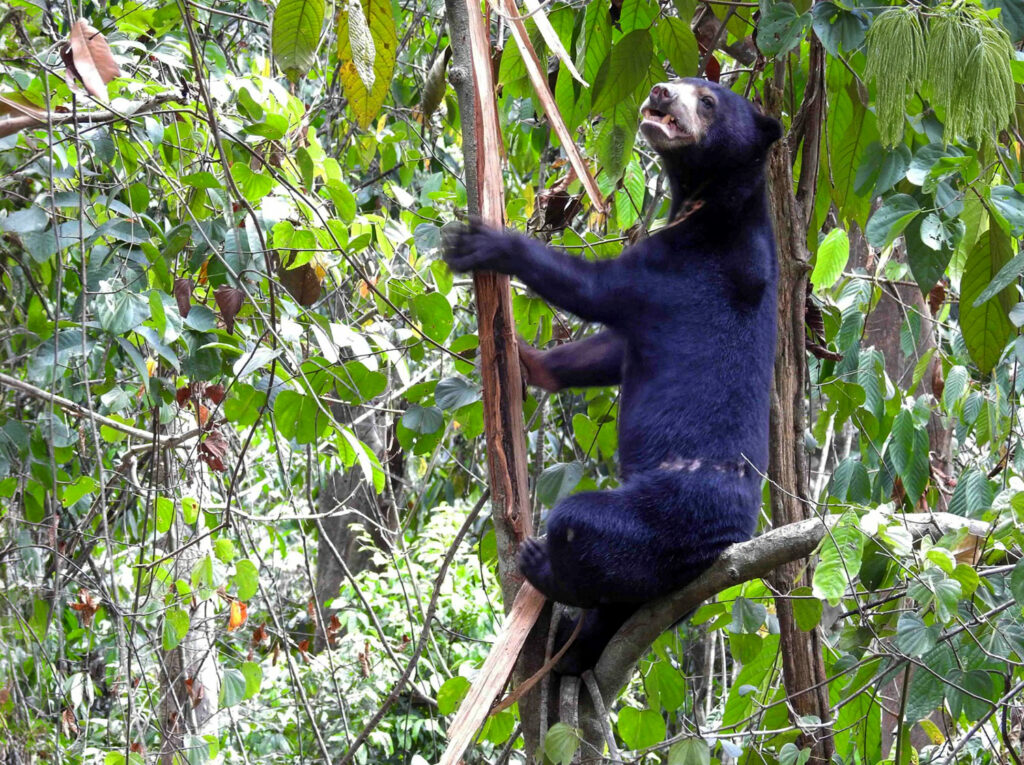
<point>535,565</point>
<point>475,247</point>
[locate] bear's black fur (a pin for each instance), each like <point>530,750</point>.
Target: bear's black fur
<point>690,337</point>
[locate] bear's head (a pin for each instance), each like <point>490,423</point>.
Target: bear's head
<point>698,122</point>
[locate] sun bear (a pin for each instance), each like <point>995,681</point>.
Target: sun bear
<point>689,317</point>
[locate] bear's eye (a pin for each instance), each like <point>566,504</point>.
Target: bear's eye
<point>707,101</point>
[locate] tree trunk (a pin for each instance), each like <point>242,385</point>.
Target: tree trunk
<point>189,680</point>
<point>499,355</point>
<point>348,501</point>
<point>803,665</point>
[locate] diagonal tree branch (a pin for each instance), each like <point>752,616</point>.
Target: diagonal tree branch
<point>740,563</point>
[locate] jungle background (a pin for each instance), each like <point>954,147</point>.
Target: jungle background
<point>244,504</point>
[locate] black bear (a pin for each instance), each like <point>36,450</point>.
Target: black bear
<point>689,317</point>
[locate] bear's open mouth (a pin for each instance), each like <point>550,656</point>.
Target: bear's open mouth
<point>665,123</point>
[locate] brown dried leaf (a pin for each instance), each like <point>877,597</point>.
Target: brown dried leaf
<point>69,722</point>
<point>88,58</point>
<point>303,283</point>
<point>212,450</point>
<point>183,295</point>
<point>215,393</point>
<point>182,395</point>
<point>86,606</point>
<point>229,301</point>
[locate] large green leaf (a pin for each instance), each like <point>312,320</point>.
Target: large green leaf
<point>640,728</point>
<point>831,259</point>
<point>986,327</point>
<point>615,141</point>
<point>677,43</point>
<point>928,263</point>
<point>623,69</point>
<point>780,29</point>
<point>890,219</point>
<point>295,35</point>
<point>841,554</point>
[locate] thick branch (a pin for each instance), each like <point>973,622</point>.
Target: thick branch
<point>740,563</point>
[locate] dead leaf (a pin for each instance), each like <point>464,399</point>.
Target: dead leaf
<point>215,393</point>
<point>229,301</point>
<point>183,295</point>
<point>86,606</point>
<point>88,59</point>
<point>238,614</point>
<point>302,283</point>
<point>212,450</point>
<point>69,722</point>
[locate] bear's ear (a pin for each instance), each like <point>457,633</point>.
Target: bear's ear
<point>770,128</point>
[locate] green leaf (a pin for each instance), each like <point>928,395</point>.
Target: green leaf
<point>986,327</point>
<point>71,493</point>
<point>833,254</point>
<point>890,219</point>
<point>747,616</point>
<point>455,392</point>
<point>927,691</point>
<point>623,69</point>
<point>1017,582</point>
<point>677,43</point>
<point>913,636</point>
<point>253,674</point>
<point>118,309</point>
<point>164,514</point>
<point>451,694</point>
<point>615,140</point>
<point>806,608</point>
<point>1009,203</point>
<point>561,743</point>
<point>972,700</point>
<point>360,384</point>
<point>176,624</point>
<point>295,35</point>
<point>839,28</point>
<point>253,185</point>
<point>781,29</point>
<point>841,554</point>
<point>200,180</point>
<point>928,263</point>
<point>244,404</point>
<point>224,549</point>
<point>690,751</point>
<point>640,729</point>
<point>232,688</point>
<point>246,579</point>
<point>666,686</point>
<point>434,313</point>
<point>556,481</point>
<point>423,420</point>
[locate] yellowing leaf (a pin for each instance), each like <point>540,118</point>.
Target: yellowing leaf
<point>364,52</point>
<point>239,613</point>
<point>364,100</point>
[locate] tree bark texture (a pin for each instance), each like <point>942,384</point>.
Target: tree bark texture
<point>802,658</point>
<point>499,354</point>
<point>348,500</point>
<point>189,679</point>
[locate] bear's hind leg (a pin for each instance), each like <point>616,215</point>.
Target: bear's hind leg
<point>594,552</point>
<point>599,626</point>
